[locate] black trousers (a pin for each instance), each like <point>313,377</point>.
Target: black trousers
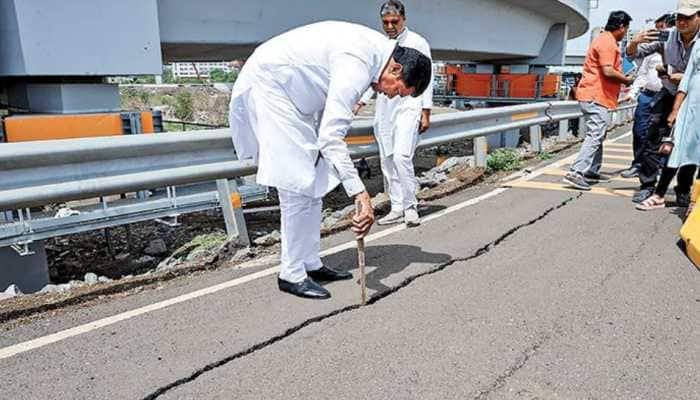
<point>685,179</point>
<point>651,160</point>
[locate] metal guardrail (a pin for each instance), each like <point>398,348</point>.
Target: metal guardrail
<point>39,173</point>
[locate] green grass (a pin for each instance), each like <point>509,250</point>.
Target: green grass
<point>544,156</point>
<point>504,160</point>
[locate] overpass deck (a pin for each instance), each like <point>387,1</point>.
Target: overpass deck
<point>520,292</point>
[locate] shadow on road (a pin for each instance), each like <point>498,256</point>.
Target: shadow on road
<point>388,260</point>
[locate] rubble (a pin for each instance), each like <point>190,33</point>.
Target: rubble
<point>91,278</point>
<point>11,291</point>
<point>440,174</point>
<point>156,247</point>
<point>199,248</point>
<point>145,260</point>
<point>270,239</point>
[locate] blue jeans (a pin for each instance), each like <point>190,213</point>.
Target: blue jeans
<point>641,125</point>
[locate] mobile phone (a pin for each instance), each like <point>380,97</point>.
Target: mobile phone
<point>664,36</point>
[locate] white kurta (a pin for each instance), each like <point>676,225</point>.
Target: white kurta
<point>396,126</point>
<point>291,108</point>
<point>294,99</point>
<point>396,120</point>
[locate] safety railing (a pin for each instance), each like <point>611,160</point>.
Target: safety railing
<point>40,173</point>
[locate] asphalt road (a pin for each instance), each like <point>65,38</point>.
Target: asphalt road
<point>526,294</point>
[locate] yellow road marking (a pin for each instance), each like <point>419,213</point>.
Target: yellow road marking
<point>621,158</point>
<point>563,188</point>
<point>620,145</point>
<point>612,166</point>
<point>617,150</point>
<point>560,172</point>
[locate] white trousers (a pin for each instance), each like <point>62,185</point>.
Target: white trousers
<point>301,235</point>
<point>398,171</point>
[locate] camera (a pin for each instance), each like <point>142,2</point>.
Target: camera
<point>664,36</point>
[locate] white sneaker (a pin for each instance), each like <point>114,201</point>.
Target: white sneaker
<point>411,217</point>
<point>394,217</point>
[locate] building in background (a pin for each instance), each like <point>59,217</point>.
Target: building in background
<point>201,69</point>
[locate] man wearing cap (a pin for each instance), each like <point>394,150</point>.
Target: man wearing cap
<point>290,110</point>
<point>398,122</point>
<point>676,54</point>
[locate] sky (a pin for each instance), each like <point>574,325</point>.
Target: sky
<point>640,10</point>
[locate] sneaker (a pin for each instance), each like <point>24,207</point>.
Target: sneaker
<point>592,177</point>
<point>411,218</point>
<point>577,181</point>
<point>394,217</point>
<point>682,199</point>
<point>642,195</point>
<point>630,173</point>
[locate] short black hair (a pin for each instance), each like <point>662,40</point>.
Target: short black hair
<point>617,20</point>
<point>417,68</point>
<point>393,7</point>
<point>664,18</point>
<point>671,20</point>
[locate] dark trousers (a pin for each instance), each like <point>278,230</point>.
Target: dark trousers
<point>651,160</point>
<point>641,125</point>
<point>685,179</point>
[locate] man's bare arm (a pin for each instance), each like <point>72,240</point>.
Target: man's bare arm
<point>612,73</point>
<point>647,36</point>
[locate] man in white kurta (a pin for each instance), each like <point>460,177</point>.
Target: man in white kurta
<point>290,110</point>
<point>397,124</point>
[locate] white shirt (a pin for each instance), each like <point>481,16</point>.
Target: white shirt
<point>319,70</point>
<point>410,39</point>
<point>396,121</point>
<point>647,77</point>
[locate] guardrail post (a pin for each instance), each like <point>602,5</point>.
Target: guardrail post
<point>231,207</point>
<point>480,151</point>
<point>563,130</point>
<point>536,138</point>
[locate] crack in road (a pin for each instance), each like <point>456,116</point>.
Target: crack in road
<point>520,362</point>
<point>373,300</point>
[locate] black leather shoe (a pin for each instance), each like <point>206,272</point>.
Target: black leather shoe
<point>306,288</point>
<point>326,274</point>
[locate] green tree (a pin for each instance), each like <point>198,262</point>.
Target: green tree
<point>168,76</point>
<point>218,75</point>
<point>183,106</point>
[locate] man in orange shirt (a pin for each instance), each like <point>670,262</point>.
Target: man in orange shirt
<point>598,93</point>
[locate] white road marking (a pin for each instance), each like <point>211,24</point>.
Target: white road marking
<point>34,344</point>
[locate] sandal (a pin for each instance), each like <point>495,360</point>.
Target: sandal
<point>652,203</point>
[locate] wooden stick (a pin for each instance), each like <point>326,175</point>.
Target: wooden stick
<point>361,260</point>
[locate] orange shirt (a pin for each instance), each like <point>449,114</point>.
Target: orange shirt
<point>595,86</point>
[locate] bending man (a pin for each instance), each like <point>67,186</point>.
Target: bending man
<point>291,108</point>
<point>397,124</point>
